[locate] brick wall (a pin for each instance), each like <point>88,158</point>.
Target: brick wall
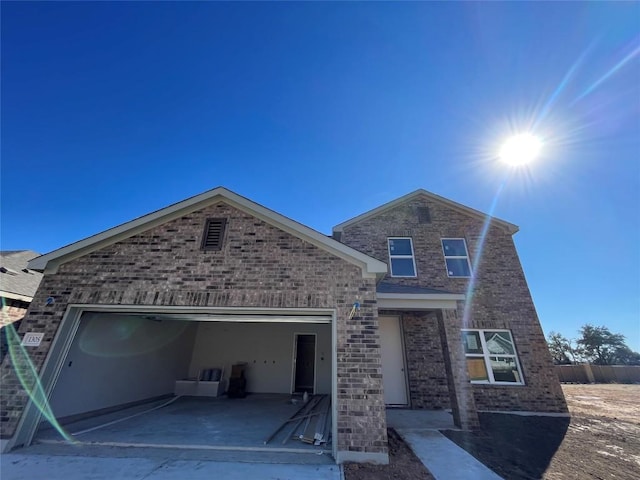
<point>501,297</point>
<point>258,266</point>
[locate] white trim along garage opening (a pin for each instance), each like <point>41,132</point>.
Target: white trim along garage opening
<point>188,377</point>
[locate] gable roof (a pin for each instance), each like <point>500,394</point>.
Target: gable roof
<point>16,281</point>
<point>49,262</point>
<point>509,227</point>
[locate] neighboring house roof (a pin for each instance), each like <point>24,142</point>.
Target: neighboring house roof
<point>50,261</point>
<point>16,281</point>
<point>510,227</point>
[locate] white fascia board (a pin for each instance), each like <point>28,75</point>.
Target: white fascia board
<point>369,265</point>
<point>177,311</point>
<point>509,227</point>
<point>16,296</point>
<point>49,263</point>
<point>241,318</point>
<point>429,301</point>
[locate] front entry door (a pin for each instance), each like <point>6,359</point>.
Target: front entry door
<point>393,374</point>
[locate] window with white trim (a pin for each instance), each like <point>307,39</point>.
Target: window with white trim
<point>401,257</point>
<point>456,257</point>
<point>491,357</point>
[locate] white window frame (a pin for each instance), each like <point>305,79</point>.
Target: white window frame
<point>487,357</point>
<point>466,257</point>
<point>392,256</point>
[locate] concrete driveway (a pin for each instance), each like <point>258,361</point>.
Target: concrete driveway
<point>103,463</point>
<point>20,466</point>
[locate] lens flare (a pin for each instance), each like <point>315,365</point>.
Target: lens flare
<point>29,379</point>
<point>125,336</point>
<point>479,250</point>
<point>609,73</point>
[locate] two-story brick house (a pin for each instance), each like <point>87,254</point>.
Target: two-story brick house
<point>437,249</point>
<point>384,310</point>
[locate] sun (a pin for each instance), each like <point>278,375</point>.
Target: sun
<point>520,149</point>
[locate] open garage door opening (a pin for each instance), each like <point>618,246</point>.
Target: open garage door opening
<point>204,381</point>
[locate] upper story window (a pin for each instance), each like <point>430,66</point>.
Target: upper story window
<point>401,257</point>
<point>491,357</point>
<point>456,257</point>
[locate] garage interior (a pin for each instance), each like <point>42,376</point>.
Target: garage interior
<point>202,381</point>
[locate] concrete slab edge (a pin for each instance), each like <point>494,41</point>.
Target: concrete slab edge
<point>434,429</point>
<point>528,414</point>
<point>190,447</point>
<point>343,456</point>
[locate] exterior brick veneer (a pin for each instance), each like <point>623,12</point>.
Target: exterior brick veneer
<point>258,266</point>
<point>500,299</point>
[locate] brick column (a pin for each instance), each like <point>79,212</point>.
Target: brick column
<point>362,432</point>
<point>463,404</point>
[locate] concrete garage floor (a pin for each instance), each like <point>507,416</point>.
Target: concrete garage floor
<point>105,460</point>
<point>233,426</point>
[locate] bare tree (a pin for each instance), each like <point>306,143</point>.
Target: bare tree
<point>562,352</point>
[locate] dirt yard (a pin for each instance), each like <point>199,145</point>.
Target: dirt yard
<point>600,441</point>
<point>603,440</point>
<point>403,465</point>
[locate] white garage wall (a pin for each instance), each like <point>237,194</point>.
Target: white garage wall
<point>116,359</point>
<point>266,347</point>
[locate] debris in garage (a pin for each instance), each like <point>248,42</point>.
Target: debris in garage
<point>128,417</point>
<point>211,374</point>
<point>311,423</point>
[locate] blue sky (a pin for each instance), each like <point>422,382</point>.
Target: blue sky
<point>322,111</point>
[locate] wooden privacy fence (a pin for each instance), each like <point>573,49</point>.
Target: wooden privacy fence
<point>598,373</point>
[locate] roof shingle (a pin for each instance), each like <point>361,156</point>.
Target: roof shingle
<point>14,276</point>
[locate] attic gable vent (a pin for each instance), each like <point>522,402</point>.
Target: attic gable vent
<point>213,234</point>
<point>424,216</point>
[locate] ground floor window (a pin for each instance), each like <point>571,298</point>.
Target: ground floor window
<point>491,357</point>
